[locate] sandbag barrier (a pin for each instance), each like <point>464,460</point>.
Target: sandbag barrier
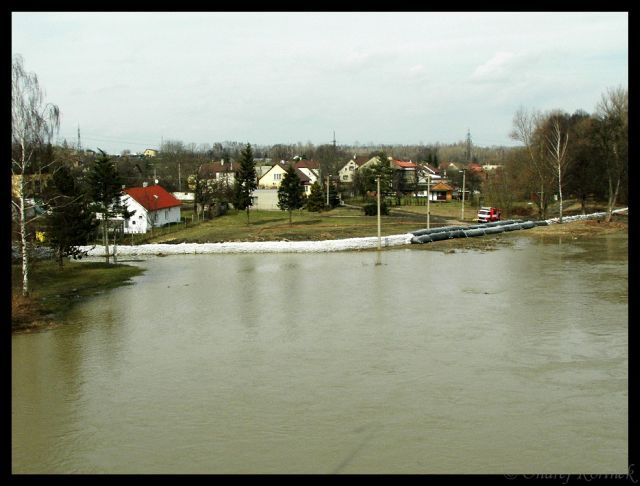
<point>492,228</point>
<point>495,227</point>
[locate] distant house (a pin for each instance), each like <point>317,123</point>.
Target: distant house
<point>184,197</point>
<point>154,206</point>
<point>273,177</point>
<point>222,171</point>
<point>150,153</point>
<point>349,169</point>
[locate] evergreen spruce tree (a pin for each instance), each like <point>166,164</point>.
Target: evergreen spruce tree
<point>104,187</point>
<point>317,199</point>
<point>290,192</point>
<point>70,223</point>
<point>245,181</point>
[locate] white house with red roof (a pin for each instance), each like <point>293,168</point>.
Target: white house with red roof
<point>154,206</point>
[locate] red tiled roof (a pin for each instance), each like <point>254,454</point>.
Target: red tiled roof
<point>403,164</point>
<point>442,186</point>
<point>153,198</point>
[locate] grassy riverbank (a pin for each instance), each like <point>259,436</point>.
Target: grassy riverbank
<point>54,291</point>
<point>338,223</point>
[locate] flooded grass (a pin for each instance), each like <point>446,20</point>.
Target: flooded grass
<point>54,290</point>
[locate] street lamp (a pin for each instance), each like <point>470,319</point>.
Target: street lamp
<point>463,190</point>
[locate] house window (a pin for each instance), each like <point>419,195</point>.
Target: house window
<point>277,177</point>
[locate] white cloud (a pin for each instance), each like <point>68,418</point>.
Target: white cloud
<point>498,68</point>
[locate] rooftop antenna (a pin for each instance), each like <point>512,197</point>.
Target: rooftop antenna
<point>79,144</point>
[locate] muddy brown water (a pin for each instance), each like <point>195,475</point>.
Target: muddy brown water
<point>501,362</point>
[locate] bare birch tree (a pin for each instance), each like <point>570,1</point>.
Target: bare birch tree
<point>33,124</point>
<point>612,113</point>
<point>556,137</point>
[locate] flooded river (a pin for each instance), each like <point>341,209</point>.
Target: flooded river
<point>506,361</point>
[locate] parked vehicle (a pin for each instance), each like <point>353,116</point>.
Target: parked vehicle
<point>486,215</point>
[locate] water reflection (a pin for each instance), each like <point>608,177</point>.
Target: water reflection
<point>513,360</point>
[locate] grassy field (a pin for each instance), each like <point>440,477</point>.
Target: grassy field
<point>53,291</point>
<point>338,223</point>
<point>342,222</point>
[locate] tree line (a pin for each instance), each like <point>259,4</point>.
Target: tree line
<point>580,154</point>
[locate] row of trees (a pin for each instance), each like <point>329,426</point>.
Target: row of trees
<point>580,154</point>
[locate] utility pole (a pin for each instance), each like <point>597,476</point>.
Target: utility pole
<point>468,145</point>
<point>378,196</point>
<point>463,190</point>
<point>179,179</point>
<point>428,201</point>
<point>328,191</point>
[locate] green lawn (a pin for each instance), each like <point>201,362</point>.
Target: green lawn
<point>274,226</point>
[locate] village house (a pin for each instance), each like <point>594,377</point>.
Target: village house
<point>221,171</point>
<point>349,169</point>
<point>307,171</point>
<point>154,206</point>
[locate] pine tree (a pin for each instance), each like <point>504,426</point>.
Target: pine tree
<point>70,222</point>
<point>317,199</point>
<point>290,192</point>
<point>104,187</point>
<point>245,181</point>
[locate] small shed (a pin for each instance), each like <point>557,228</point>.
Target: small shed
<point>441,192</point>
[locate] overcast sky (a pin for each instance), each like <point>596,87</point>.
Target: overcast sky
<point>130,80</point>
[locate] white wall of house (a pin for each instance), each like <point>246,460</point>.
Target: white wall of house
<point>265,199</point>
<point>165,216</point>
<point>138,223</point>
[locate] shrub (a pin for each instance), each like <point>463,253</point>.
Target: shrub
<point>371,209</point>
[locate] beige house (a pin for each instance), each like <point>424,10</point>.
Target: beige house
<point>150,153</point>
<point>273,177</point>
<point>349,169</point>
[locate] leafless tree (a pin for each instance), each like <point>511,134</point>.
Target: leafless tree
<point>556,139</point>
<point>33,125</point>
<point>612,113</point>
<point>525,126</point>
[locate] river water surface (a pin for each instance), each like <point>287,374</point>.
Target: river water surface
<point>508,361</point>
